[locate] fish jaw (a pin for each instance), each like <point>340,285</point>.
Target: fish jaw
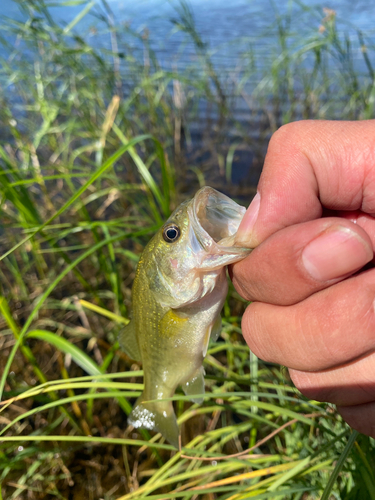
<point>215,219</point>
<point>215,215</point>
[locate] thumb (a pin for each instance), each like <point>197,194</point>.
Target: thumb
<point>311,165</point>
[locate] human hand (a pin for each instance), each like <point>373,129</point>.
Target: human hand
<point>313,299</point>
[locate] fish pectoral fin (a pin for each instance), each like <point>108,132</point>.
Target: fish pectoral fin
<point>171,323</point>
<point>195,386</point>
<point>212,333</point>
<point>128,341</point>
<point>156,416</point>
<point>216,328</point>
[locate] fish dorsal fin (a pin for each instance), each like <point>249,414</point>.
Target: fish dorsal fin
<point>128,341</point>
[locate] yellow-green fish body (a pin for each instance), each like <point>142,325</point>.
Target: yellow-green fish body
<point>178,292</point>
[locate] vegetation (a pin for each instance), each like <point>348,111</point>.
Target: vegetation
<point>97,146</point>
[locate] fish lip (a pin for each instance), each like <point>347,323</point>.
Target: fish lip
<point>226,216</point>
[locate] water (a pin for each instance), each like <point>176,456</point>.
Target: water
<point>230,30</point>
<point>228,27</point>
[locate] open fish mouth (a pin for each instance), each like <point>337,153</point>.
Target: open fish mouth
<point>215,219</point>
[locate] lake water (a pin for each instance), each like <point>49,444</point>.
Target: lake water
<point>229,28</point>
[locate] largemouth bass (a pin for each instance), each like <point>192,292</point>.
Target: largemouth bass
<point>178,292</point>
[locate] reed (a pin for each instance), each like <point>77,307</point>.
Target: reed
<point>96,149</point>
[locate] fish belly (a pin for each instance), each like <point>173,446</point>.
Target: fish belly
<point>166,365</point>
<point>172,356</point>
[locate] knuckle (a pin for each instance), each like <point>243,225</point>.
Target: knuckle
<point>287,134</point>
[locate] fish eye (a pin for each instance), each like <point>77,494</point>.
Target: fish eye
<point>171,233</point>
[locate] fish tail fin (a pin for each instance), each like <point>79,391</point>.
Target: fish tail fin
<point>156,416</point>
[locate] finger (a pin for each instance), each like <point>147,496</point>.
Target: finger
<point>309,257</point>
<point>332,327</point>
<point>310,164</point>
<point>365,221</point>
<point>361,417</point>
<point>347,385</point>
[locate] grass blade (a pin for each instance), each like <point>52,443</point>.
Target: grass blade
<point>339,465</point>
<point>63,345</point>
<point>109,163</point>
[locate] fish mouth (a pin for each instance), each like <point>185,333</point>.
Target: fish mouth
<point>215,219</point>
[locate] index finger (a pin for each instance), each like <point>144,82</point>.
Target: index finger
<point>311,165</point>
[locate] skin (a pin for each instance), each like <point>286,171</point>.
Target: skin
<point>311,276</point>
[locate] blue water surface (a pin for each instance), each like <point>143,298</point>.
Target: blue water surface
<point>226,26</point>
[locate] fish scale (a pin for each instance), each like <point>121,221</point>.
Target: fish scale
<point>178,292</point>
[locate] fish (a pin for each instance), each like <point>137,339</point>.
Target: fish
<point>178,292</point>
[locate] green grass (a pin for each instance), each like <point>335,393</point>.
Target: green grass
<point>95,152</point>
